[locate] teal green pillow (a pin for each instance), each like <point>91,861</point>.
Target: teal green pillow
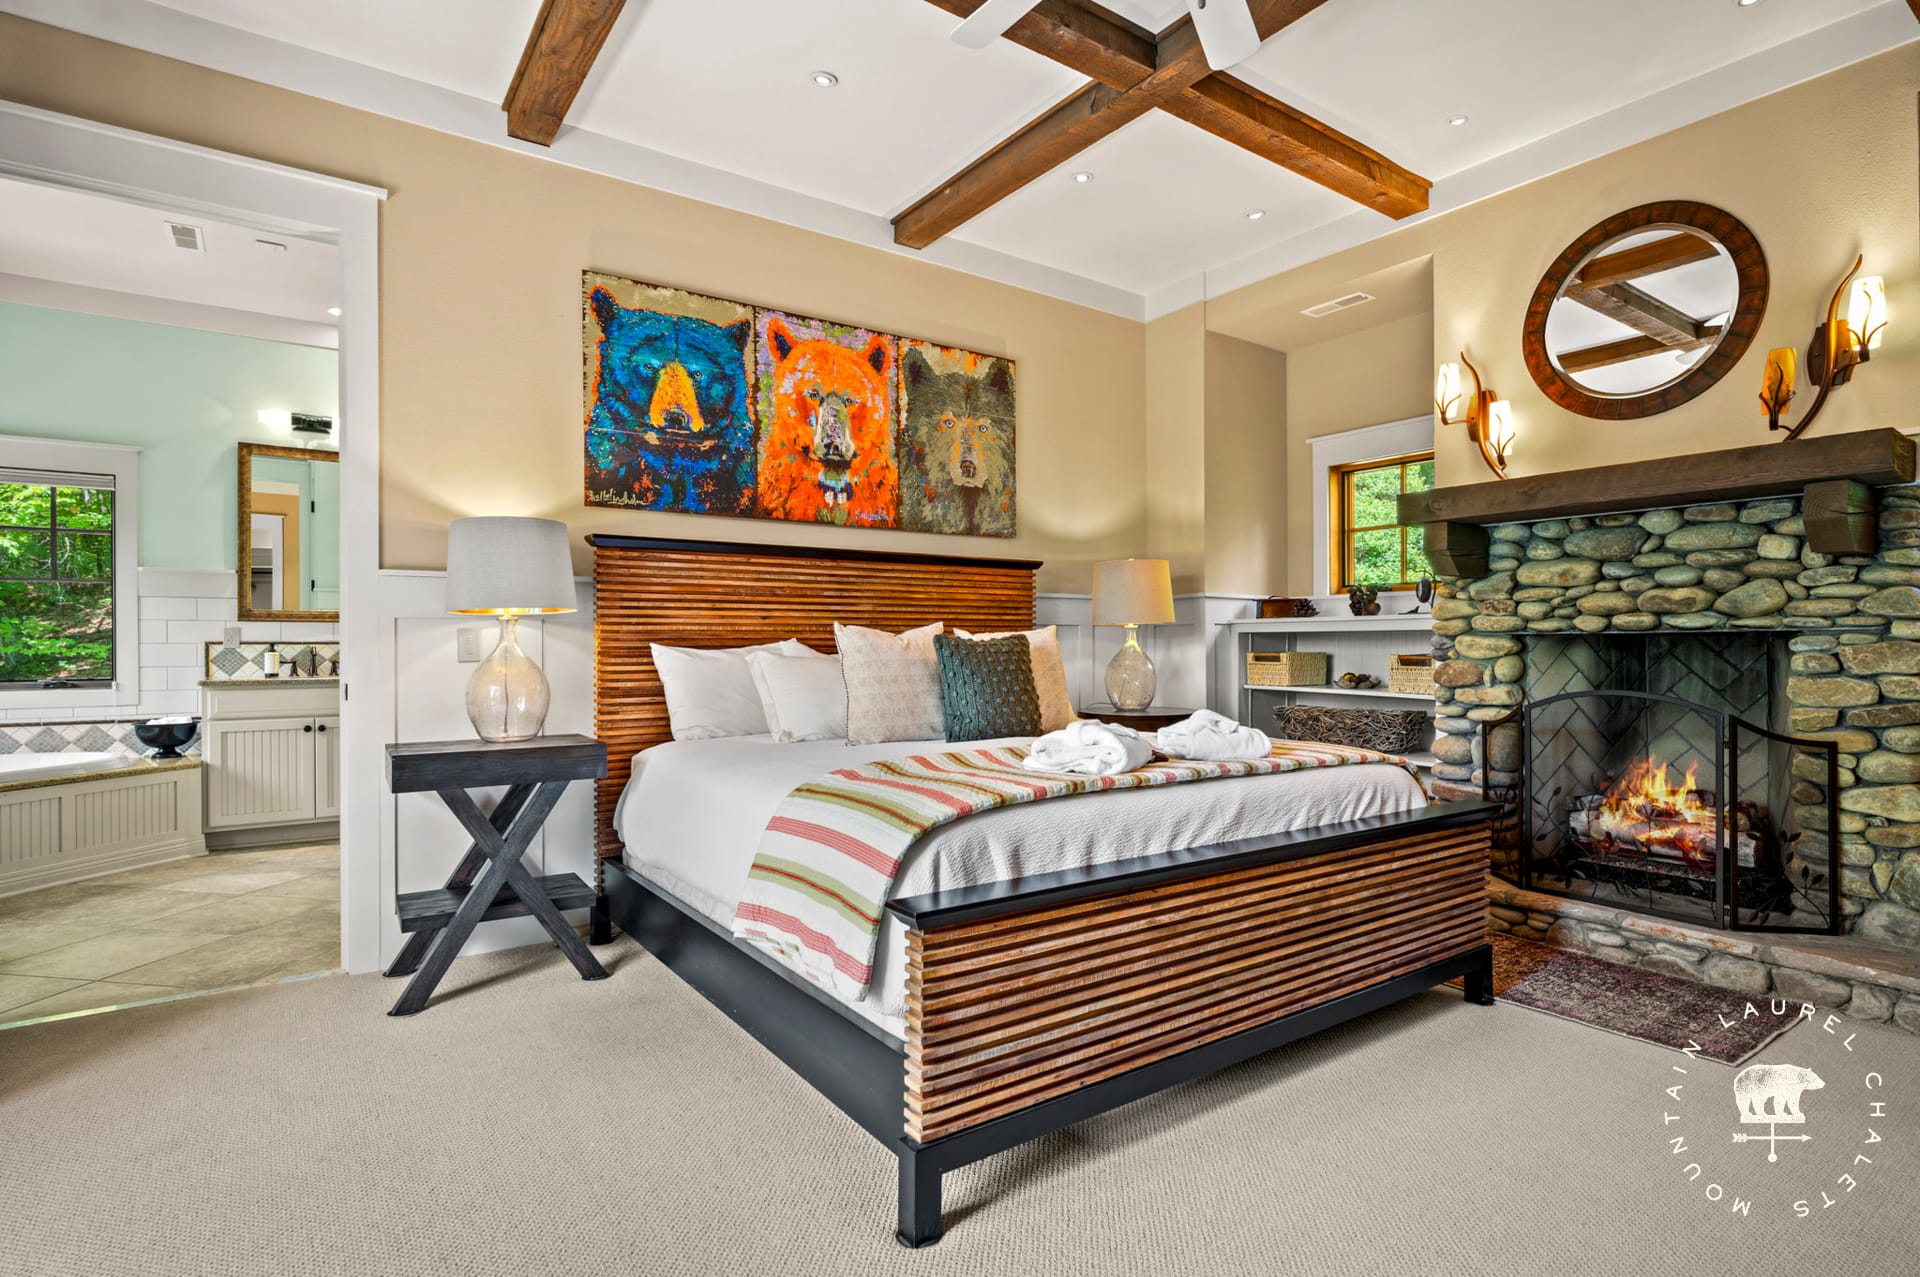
<point>987,685</point>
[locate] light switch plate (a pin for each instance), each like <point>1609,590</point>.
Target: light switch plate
<point>231,636</point>
<point>467,643</point>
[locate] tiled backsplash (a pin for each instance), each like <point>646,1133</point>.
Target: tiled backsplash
<point>76,738</point>
<point>248,661</point>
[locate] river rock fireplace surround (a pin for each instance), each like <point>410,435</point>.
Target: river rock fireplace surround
<point>1598,636</point>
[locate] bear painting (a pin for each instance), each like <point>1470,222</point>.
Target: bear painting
<point>826,409</point>
<point>955,441</point>
<point>669,415</point>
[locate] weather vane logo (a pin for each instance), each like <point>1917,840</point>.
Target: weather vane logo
<point>1769,1095</point>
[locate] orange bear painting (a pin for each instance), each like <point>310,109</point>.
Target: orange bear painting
<point>826,397</point>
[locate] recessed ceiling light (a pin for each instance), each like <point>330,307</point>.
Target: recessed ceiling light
<point>1083,177</point>
<point>1456,120</point>
<point>1255,214</point>
<point>825,79</point>
<point>1745,4</point>
<point>334,311</point>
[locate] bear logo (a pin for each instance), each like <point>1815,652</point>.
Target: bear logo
<point>1780,1085</point>
<point>956,441</point>
<point>670,427</point>
<point>827,447</point>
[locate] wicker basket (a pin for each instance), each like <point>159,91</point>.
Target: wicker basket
<point>1390,731</point>
<point>1412,673</point>
<point>1288,669</point>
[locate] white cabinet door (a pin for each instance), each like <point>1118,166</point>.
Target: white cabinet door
<point>260,771</point>
<point>326,768</point>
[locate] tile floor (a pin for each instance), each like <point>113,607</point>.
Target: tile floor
<point>186,926</point>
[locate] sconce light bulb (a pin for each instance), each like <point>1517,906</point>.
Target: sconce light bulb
<point>1446,387</point>
<point>1500,427</point>
<point>1867,310</point>
<point>276,418</point>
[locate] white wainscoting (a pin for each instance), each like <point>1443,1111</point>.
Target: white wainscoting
<point>84,827</point>
<point>1185,653</point>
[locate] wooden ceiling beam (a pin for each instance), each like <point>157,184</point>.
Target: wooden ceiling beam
<point>1627,349</point>
<point>565,40</point>
<point>1133,74</point>
<point>1642,312</point>
<point>1629,264</point>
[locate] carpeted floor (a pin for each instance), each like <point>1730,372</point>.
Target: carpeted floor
<point>532,1123</point>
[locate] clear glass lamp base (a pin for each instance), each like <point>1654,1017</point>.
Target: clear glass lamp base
<point>1130,678</point>
<point>507,697</point>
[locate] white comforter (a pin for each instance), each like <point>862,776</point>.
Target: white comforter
<point>692,815</point>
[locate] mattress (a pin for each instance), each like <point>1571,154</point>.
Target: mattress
<point>692,814</point>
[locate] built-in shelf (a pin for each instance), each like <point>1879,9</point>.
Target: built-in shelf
<point>1422,758</point>
<point>1329,690</point>
<point>1402,622</point>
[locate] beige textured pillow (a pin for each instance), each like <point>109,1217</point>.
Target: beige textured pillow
<point>893,684</point>
<point>1049,674</point>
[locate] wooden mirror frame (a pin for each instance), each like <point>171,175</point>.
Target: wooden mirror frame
<point>1750,306</point>
<point>242,571</point>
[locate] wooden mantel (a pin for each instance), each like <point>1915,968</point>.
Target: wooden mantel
<point>1836,474</point>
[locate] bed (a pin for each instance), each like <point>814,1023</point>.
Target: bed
<point>1033,970</point>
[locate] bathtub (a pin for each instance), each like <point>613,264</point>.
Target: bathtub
<point>64,817</point>
<point>15,767</point>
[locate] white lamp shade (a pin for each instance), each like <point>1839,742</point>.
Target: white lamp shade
<point>497,565</point>
<point>1132,592</point>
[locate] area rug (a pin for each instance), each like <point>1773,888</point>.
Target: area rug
<point>1664,1010</point>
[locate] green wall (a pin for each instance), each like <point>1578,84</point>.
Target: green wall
<point>185,397</point>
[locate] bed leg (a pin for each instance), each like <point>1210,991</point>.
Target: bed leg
<point>1478,983</point>
<point>919,1200</point>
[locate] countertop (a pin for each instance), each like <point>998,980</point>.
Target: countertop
<point>131,765</point>
<point>270,682</point>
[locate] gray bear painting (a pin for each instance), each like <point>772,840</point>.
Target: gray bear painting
<point>955,445</point>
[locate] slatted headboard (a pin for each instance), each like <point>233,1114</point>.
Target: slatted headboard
<point>726,594</point>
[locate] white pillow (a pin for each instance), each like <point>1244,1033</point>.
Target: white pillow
<point>893,684</point>
<point>1049,674</point>
<point>805,697</point>
<point>710,691</point>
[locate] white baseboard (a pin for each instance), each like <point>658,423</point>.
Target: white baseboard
<point>59,874</point>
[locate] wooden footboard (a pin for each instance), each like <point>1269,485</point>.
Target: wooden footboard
<point>1014,1005</point>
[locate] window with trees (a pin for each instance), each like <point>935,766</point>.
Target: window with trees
<point>1370,547</point>
<point>56,579</point>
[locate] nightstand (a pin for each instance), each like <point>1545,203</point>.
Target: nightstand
<point>1150,719</point>
<point>490,881</point>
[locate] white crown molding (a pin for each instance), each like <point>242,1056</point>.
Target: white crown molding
<point>1807,57</point>
<point>53,294</point>
<point>186,38</point>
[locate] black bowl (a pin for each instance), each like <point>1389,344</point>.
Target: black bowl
<point>168,738</point>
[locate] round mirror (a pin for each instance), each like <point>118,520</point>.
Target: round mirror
<point>1645,310</point>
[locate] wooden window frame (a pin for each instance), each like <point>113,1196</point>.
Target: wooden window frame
<point>1340,503</point>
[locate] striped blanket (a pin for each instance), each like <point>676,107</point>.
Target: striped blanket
<point>825,867</point>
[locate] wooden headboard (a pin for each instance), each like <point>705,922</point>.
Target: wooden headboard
<point>726,594</point>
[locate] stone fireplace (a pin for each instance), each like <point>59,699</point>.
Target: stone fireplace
<point>1731,586</point>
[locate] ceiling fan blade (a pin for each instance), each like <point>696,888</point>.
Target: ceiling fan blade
<point>1226,30</point>
<point>990,21</point>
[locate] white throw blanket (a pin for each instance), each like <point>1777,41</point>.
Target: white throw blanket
<point>1089,748</point>
<point>1210,737</point>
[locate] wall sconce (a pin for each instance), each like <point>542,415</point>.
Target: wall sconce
<point>1839,344</point>
<point>301,422</point>
<point>1477,415</point>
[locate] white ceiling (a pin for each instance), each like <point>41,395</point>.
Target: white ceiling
<point>724,84</point>
<point>94,245</point>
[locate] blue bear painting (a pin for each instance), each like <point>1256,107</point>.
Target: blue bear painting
<point>669,422</point>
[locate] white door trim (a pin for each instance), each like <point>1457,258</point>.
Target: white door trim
<point>61,150</point>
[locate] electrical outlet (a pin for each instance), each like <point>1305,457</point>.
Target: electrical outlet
<point>467,643</point>
<point>231,636</point>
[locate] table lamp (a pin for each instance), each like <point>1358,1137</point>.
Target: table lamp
<point>508,568</point>
<point>1132,593</point>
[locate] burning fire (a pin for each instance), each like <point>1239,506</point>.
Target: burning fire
<point>1646,811</point>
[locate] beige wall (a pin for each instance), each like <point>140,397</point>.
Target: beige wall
<point>1246,466</point>
<point>1364,379</point>
<point>1176,446</point>
<point>1819,172</point>
<point>481,252</point>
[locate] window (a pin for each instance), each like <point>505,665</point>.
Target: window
<point>1370,546</point>
<point>56,578</point>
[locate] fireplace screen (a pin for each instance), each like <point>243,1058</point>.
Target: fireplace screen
<point>1661,805</point>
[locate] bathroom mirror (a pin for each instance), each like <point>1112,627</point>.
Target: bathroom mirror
<point>289,533</point>
<point>1645,310</point>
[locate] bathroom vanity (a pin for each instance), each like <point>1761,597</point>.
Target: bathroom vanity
<point>271,753</point>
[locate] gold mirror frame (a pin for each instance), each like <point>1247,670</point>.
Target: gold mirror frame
<point>1750,306</point>
<point>243,575</point>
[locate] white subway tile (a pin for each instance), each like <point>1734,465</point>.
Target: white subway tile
<point>181,678</point>
<point>185,583</point>
<point>218,609</point>
<point>309,631</point>
<point>194,631</point>
<point>169,609</point>
<point>170,702</point>
<point>260,631</point>
<point>169,654</point>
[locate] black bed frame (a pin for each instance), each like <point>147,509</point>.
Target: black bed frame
<point>860,1069</point>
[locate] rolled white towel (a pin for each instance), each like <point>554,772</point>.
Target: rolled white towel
<point>1208,736</point>
<point>1089,748</point>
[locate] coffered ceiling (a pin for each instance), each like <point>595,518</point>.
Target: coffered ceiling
<point>716,99</point>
